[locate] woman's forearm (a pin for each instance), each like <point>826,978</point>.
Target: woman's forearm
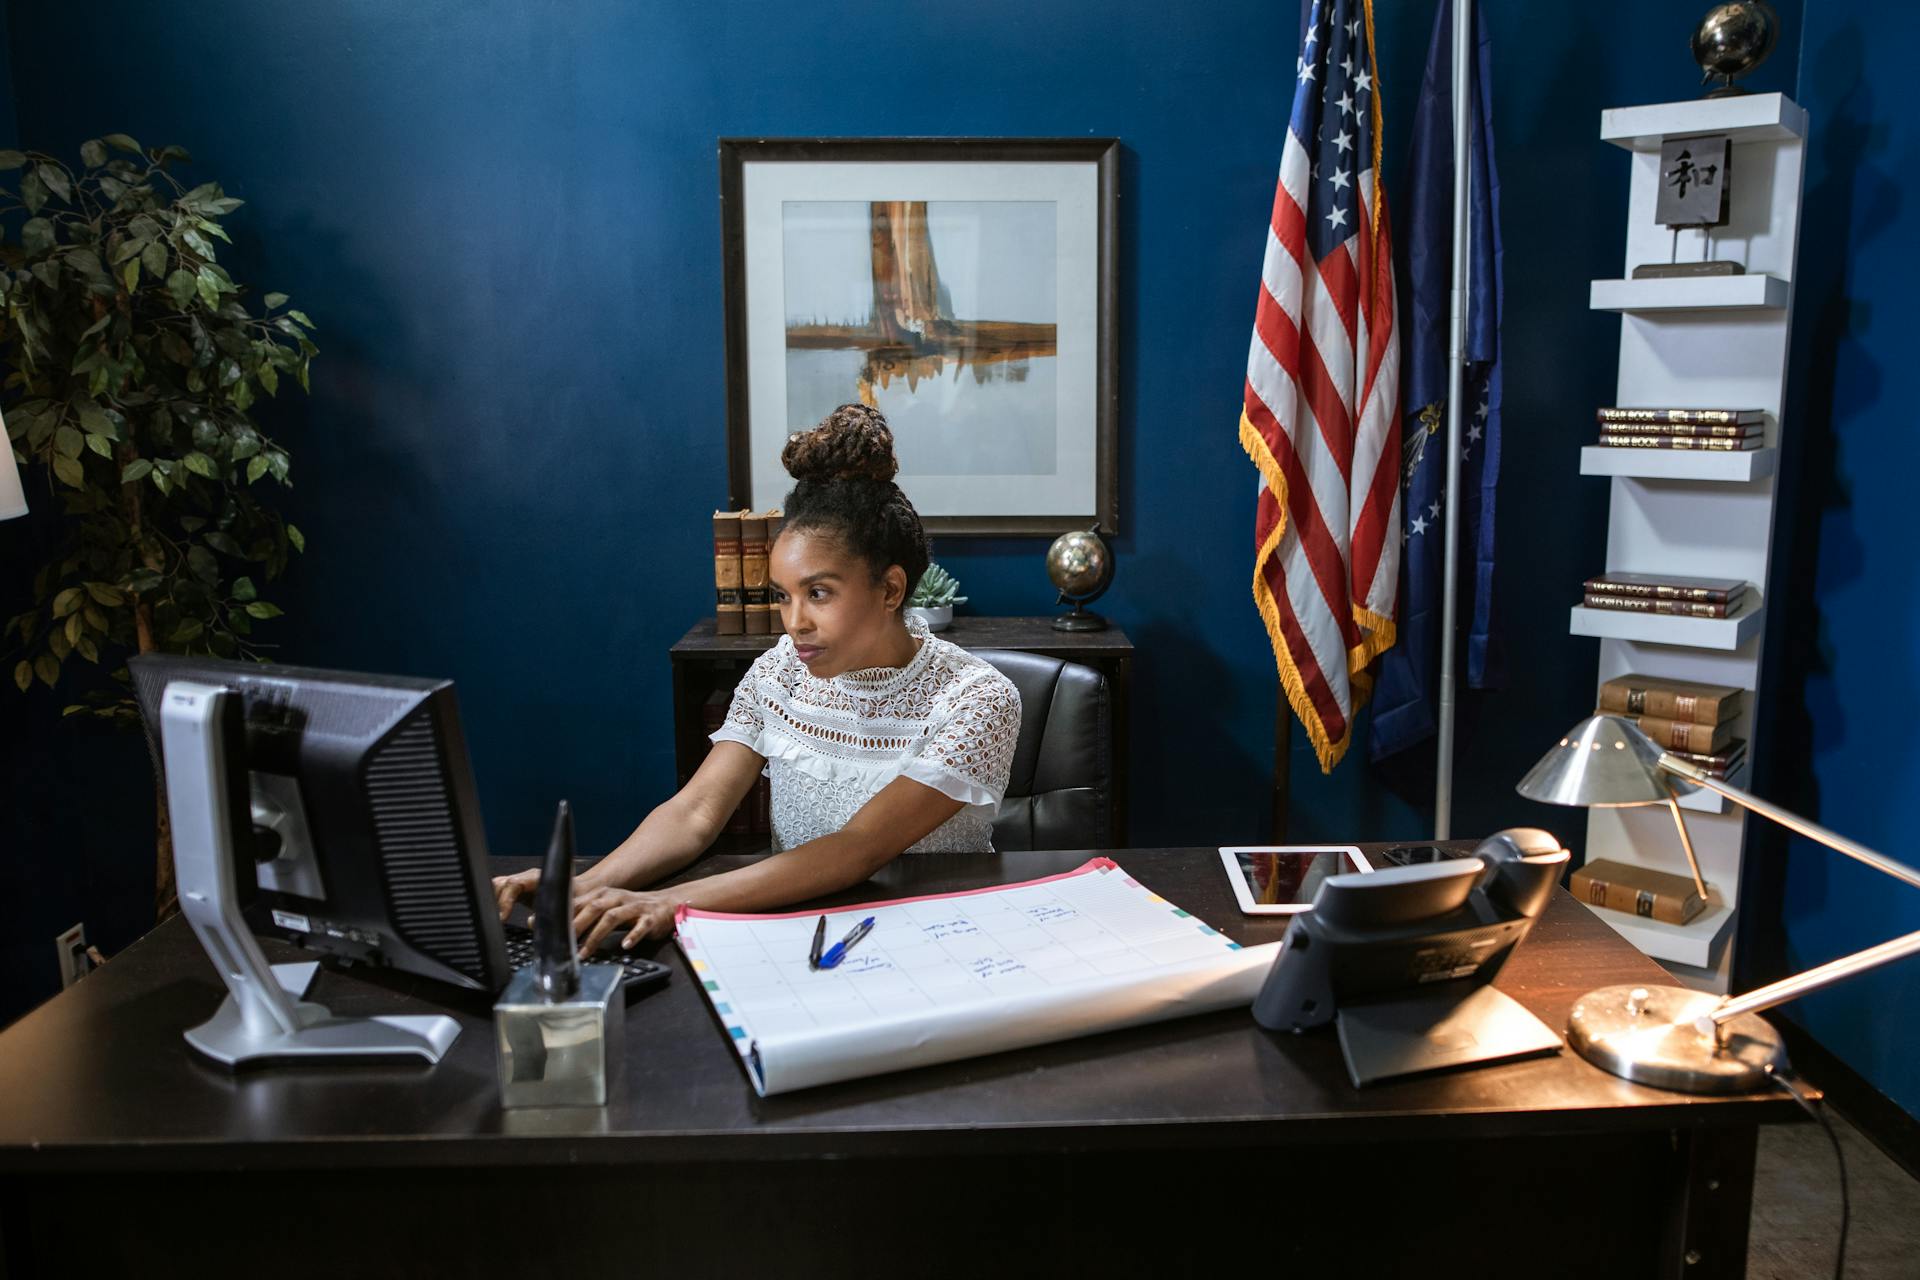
<point>665,841</point>
<point>819,867</point>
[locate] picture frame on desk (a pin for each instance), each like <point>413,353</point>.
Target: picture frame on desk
<point>965,287</point>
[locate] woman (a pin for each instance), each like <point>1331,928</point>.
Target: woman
<point>879,739</point>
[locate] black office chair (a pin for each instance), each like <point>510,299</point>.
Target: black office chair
<point>1060,793</point>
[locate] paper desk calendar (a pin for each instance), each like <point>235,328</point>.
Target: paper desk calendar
<point>959,975</point>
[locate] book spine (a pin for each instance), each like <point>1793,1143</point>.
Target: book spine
<point>1635,900</point>
<point>776,519</point>
<point>1691,430</point>
<point>1662,590</point>
<point>753,573</point>
<point>1682,735</point>
<point>1668,704</point>
<point>1677,608</point>
<point>1715,417</point>
<point>1619,440</point>
<point>1727,759</point>
<point>730,605</point>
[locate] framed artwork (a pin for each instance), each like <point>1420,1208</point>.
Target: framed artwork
<point>962,286</point>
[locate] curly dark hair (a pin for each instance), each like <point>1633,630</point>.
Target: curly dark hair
<point>843,474</point>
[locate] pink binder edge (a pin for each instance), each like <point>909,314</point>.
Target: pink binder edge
<point>1092,864</point>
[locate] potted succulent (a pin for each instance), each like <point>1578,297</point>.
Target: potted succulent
<point>933,598</point>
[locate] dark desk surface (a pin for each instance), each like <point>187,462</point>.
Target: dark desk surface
<point>99,1077</point>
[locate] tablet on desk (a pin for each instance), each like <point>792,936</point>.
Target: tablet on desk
<point>1279,880</point>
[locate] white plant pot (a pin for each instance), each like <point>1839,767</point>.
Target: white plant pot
<point>937,618</point>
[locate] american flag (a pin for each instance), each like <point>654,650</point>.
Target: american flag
<point>1321,416</point>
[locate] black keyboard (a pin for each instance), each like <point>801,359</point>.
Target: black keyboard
<point>641,974</point>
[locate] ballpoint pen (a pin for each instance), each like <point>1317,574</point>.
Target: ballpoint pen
<point>838,951</point>
<point>819,936</point>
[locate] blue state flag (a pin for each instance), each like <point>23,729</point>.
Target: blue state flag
<point>1406,699</point>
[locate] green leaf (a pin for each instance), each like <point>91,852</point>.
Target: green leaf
<point>23,673</point>
<point>56,179</point>
<point>68,442</point>
<point>243,589</point>
<point>224,206</point>
<point>47,667</point>
<point>269,377</point>
<point>130,274</point>
<point>182,285</point>
<point>106,593</point>
<point>84,646</point>
<point>297,538</point>
<point>301,316</point>
<point>198,243</point>
<point>92,417</point>
<point>275,300</point>
<point>189,629</point>
<point>122,141</point>
<point>135,470</point>
<point>67,601</point>
<point>204,566</point>
<point>224,543</point>
<point>261,609</point>
<point>70,472</point>
<point>97,326</point>
<point>215,229</point>
<point>209,287</point>
<point>93,153</point>
<point>74,625</point>
<point>100,445</point>
<point>201,465</point>
<point>12,160</point>
<point>256,467</point>
<point>33,192</point>
<point>36,236</point>
<point>154,258</point>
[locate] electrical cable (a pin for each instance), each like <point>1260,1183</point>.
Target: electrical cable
<point>1818,1111</point>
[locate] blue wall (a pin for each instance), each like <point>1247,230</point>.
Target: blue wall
<point>503,216</point>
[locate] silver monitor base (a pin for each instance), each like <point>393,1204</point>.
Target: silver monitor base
<point>227,1038</point>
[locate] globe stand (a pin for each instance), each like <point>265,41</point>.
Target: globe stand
<point>1080,619</point>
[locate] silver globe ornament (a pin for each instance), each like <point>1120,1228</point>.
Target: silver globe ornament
<point>1733,39</point>
<point>1081,566</point>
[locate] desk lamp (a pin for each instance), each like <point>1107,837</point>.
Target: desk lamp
<point>1673,1037</point>
<point>13,499</point>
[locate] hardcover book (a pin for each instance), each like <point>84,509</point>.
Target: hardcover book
<point>730,605</point>
<point>1675,608</point>
<point>1617,413</point>
<point>753,572</point>
<point>1708,444</point>
<point>1734,430</point>
<point>1686,735</point>
<point>1636,695</point>
<point>1660,586</point>
<point>776,518</point>
<point>1638,891</point>
<point>1722,763</point>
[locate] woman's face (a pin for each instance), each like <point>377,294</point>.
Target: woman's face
<point>839,617</point>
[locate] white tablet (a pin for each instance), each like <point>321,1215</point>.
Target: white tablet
<point>1281,879</point>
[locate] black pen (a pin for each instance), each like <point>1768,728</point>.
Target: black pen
<point>819,936</point>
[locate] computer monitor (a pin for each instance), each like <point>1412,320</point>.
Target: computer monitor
<point>336,811</point>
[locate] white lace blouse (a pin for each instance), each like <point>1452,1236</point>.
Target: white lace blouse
<point>947,719</point>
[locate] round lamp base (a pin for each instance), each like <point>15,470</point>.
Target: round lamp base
<point>1649,1035</point>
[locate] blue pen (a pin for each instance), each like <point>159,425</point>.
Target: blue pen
<point>838,951</point>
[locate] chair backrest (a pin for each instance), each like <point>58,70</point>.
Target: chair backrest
<point>1059,795</point>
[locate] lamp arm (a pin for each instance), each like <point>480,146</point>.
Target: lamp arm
<point>1814,979</point>
<point>1792,822</point>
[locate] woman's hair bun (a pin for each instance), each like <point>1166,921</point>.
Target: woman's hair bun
<point>852,442</point>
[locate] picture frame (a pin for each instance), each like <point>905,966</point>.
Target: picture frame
<point>964,286</point>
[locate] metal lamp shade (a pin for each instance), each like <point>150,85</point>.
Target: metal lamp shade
<point>1603,762</point>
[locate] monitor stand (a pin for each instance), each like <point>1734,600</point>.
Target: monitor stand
<point>263,1017</point>
<point>1438,1028</point>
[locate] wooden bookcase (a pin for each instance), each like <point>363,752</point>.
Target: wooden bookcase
<point>1711,342</point>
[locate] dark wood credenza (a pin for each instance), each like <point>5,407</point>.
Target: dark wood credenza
<point>704,663</point>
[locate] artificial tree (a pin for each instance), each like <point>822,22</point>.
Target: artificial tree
<point>133,361</point>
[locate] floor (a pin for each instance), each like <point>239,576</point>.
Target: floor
<point>1796,1208</point>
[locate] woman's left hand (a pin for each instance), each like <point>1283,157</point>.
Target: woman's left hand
<point>634,914</point>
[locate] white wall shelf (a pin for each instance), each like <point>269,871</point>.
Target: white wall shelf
<point>1697,942</point>
<point>1679,464</point>
<point>1662,628</point>
<point>1702,342</point>
<point>1751,292</point>
<point>1753,117</point>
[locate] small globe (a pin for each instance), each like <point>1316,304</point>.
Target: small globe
<point>1735,38</point>
<point>1080,564</point>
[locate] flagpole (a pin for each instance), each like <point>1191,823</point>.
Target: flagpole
<point>1456,411</point>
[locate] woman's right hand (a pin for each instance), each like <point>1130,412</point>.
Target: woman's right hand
<point>508,890</point>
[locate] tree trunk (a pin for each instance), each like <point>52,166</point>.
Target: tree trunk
<point>166,901</point>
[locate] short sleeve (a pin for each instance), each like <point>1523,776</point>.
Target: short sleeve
<point>970,755</point>
<point>746,715</point>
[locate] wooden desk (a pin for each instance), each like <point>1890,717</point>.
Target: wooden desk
<point>704,663</point>
<point>1180,1148</point>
